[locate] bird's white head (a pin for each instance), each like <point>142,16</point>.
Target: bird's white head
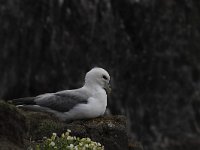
<point>98,77</point>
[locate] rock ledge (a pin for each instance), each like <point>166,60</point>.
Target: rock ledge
<point>18,127</point>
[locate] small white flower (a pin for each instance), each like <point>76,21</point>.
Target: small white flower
<point>69,131</point>
<point>49,139</point>
<point>88,139</point>
<point>71,145</point>
<point>98,144</point>
<point>52,144</point>
<point>69,138</point>
<point>86,145</point>
<point>54,134</point>
<point>95,143</point>
<point>63,135</point>
<point>80,144</point>
<point>76,148</point>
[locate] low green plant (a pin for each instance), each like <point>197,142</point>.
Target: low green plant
<point>67,142</point>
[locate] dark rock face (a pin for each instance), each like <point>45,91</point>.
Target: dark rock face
<point>12,127</point>
<point>150,47</point>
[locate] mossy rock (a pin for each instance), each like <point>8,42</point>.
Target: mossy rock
<point>109,130</point>
<point>20,126</point>
<point>41,125</point>
<point>12,126</point>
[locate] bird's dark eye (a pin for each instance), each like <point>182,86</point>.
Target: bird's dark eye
<point>104,77</point>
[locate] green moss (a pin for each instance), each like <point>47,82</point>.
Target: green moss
<point>6,106</point>
<point>13,125</point>
<point>46,127</point>
<point>41,125</point>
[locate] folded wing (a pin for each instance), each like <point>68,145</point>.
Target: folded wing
<point>61,102</point>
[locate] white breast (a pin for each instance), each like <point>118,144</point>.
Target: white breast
<point>95,107</point>
<point>98,102</point>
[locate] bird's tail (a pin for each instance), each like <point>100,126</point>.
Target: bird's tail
<point>23,101</point>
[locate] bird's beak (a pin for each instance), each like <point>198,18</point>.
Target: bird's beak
<point>108,88</point>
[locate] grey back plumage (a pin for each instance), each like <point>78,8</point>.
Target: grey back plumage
<point>62,101</point>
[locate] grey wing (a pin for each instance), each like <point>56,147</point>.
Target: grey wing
<point>61,102</point>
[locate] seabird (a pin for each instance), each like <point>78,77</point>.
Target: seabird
<point>89,101</point>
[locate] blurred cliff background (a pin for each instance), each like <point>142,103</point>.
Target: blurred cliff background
<point>151,48</point>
